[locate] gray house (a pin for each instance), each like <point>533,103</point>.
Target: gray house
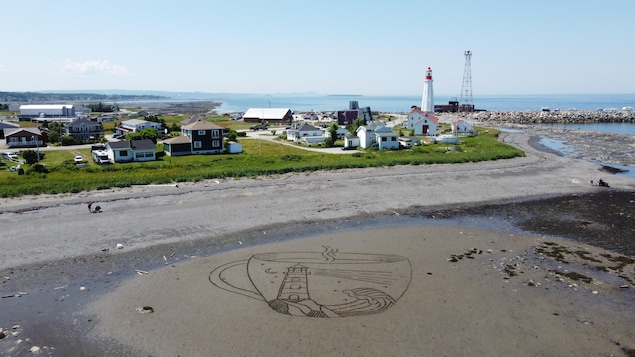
<point>85,130</point>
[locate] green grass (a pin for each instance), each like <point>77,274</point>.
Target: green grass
<point>64,176</point>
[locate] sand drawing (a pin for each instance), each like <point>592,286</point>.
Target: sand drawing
<point>318,284</point>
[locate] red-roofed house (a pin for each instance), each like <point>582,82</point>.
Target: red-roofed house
<point>421,122</point>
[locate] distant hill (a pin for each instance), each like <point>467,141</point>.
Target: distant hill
<point>67,96</point>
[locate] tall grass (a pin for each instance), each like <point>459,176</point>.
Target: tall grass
<point>65,177</point>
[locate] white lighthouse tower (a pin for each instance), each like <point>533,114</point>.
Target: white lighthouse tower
<point>427,102</point>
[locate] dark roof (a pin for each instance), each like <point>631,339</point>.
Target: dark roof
<point>144,144</point>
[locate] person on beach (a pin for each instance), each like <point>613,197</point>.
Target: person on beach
<point>90,205</point>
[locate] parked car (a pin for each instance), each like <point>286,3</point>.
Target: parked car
<point>259,127</point>
<point>78,158</point>
<point>10,155</point>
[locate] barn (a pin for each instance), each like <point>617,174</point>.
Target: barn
<point>271,116</point>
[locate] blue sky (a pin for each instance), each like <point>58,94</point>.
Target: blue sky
<point>327,47</point>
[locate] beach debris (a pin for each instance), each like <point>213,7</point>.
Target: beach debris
<point>82,288</point>
<point>2,334</point>
<point>35,349</point>
<point>119,246</point>
<point>61,287</point>
<point>594,292</point>
<point>18,294</point>
<point>625,286</point>
<point>468,254</point>
<point>141,272</point>
<point>145,310</point>
<point>239,242</point>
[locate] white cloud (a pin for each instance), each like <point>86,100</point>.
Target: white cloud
<point>94,67</point>
<point>2,68</point>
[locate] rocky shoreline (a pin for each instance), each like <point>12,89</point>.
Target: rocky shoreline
<point>555,117</point>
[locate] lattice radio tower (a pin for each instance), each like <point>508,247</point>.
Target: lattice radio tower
<point>466,88</point>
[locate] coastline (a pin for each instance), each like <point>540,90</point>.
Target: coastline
<point>236,216</point>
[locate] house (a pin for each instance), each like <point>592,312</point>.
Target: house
<point>23,137</point>
<point>387,140</point>
<point>198,137</point>
<point>366,134</point>
<point>271,116</point>
<point>306,131</point>
<point>351,142</point>
<point>131,150</point>
<point>85,130</point>
<point>423,123</point>
<point>136,125</point>
<point>461,126</point>
<point>6,125</point>
<point>206,137</point>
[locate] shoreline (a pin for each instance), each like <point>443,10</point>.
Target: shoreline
<point>236,218</point>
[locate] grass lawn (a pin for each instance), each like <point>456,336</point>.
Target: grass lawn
<point>258,158</point>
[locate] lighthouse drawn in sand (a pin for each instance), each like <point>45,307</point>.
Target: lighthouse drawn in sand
<point>427,101</point>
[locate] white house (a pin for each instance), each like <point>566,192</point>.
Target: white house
<point>461,126</point>
<point>306,131</point>
<point>387,140</point>
<point>136,125</point>
<point>366,134</point>
<point>421,122</point>
<point>351,141</point>
<point>131,150</point>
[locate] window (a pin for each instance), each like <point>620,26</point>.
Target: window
<point>198,144</point>
<point>215,143</point>
<point>384,138</point>
<point>201,132</point>
<point>215,134</point>
<point>123,153</point>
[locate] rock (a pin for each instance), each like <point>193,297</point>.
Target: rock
<point>34,349</point>
<point>145,310</point>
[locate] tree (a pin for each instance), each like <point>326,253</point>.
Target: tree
<point>31,156</point>
<point>330,141</point>
<point>147,133</point>
<point>356,124</point>
<point>232,135</point>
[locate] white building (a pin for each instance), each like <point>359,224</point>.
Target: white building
<point>47,110</point>
<point>367,134</point>
<point>136,125</point>
<point>423,123</point>
<point>305,131</point>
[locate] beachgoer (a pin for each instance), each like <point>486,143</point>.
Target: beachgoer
<point>90,205</point>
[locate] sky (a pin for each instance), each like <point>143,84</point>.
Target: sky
<point>324,47</point>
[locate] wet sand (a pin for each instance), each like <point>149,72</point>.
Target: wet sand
<point>478,283</point>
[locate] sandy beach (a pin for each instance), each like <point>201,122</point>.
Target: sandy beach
<point>168,270</point>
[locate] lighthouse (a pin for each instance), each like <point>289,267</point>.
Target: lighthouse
<point>427,101</point>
